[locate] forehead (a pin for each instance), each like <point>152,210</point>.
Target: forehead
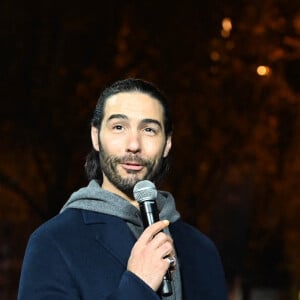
<point>134,105</point>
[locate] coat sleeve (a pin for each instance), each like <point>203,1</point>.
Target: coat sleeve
<point>46,275</point>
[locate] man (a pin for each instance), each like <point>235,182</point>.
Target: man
<point>97,248</point>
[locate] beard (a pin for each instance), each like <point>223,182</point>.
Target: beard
<point>109,166</point>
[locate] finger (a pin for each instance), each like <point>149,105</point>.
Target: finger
<point>166,249</point>
<point>159,239</point>
<point>152,230</point>
<point>161,246</point>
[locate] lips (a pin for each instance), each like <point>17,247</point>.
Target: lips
<point>133,166</point>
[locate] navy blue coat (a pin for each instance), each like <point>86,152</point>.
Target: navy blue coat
<point>83,255</point>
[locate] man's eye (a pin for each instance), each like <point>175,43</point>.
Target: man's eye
<point>150,130</point>
<point>118,127</point>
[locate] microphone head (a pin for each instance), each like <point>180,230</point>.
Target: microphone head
<point>144,190</point>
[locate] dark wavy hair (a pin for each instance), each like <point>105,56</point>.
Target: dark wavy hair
<point>92,164</point>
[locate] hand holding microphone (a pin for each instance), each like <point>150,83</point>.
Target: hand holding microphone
<point>153,255</point>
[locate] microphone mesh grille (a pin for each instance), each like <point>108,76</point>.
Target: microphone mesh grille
<point>144,190</point>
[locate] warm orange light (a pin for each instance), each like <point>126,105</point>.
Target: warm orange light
<point>225,34</point>
<point>227,24</point>
<point>263,70</point>
<point>296,23</point>
<point>215,56</point>
<point>226,27</point>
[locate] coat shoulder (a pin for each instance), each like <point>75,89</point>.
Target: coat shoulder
<point>60,224</point>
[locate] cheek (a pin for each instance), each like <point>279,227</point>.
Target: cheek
<point>110,145</point>
<point>154,149</point>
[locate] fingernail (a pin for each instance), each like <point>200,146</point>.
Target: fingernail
<point>167,222</point>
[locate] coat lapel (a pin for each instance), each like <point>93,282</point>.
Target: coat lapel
<point>112,233</point>
<point>188,269</point>
<point>200,264</point>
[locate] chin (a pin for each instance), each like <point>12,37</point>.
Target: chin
<point>135,176</point>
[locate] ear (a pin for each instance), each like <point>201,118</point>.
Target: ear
<point>168,146</point>
<point>95,139</point>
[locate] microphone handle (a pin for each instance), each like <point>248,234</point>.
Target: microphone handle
<point>150,215</point>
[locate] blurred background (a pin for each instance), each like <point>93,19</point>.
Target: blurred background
<point>231,70</point>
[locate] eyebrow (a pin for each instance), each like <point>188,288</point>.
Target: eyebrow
<point>147,121</point>
<point>117,116</point>
<point>144,121</point>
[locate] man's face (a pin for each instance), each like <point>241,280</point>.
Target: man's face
<point>132,140</point>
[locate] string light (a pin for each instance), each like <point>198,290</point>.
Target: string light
<point>227,24</point>
<point>263,70</point>
<point>226,27</point>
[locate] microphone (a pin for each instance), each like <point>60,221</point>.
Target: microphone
<point>145,193</point>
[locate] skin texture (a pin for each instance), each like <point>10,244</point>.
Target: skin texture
<point>132,143</point>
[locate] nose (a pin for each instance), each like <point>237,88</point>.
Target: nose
<point>133,142</point>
